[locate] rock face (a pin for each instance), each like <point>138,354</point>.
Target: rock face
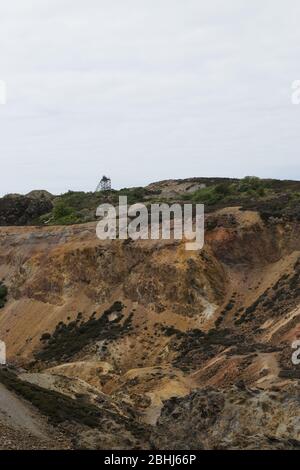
<point>158,339</point>
<point>16,209</point>
<point>231,418</point>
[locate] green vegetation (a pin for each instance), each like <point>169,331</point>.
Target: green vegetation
<point>196,343</point>
<point>76,207</point>
<point>3,294</point>
<point>208,195</point>
<point>73,208</point>
<point>253,186</point>
<point>134,195</point>
<point>69,339</point>
<point>271,198</point>
<point>64,214</point>
<point>79,207</point>
<point>250,187</point>
<point>59,408</point>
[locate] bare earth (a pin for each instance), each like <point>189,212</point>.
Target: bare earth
<point>21,427</point>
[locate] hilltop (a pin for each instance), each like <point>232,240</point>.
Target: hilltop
<point>271,198</point>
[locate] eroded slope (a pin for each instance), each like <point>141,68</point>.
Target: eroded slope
<point>161,335</point>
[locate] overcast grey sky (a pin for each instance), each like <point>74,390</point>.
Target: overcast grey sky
<point>145,90</point>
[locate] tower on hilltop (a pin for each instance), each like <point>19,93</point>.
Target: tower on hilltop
<point>104,184</point>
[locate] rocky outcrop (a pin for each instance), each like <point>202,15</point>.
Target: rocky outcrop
<point>16,209</point>
<point>237,418</point>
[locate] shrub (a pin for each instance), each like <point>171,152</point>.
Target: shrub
<point>67,340</point>
<point>249,182</point>
<point>224,189</point>
<point>59,408</point>
<point>45,337</point>
<point>134,195</point>
<point>61,210</point>
<point>3,294</point>
<point>206,195</point>
<point>63,214</point>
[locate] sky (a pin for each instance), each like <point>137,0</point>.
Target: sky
<point>145,90</point>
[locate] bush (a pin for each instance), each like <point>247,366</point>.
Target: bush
<point>224,189</point>
<point>61,210</point>
<point>3,294</point>
<point>67,340</point>
<point>45,337</point>
<point>206,196</point>
<point>134,195</point>
<point>63,214</point>
<point>251,184</point>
